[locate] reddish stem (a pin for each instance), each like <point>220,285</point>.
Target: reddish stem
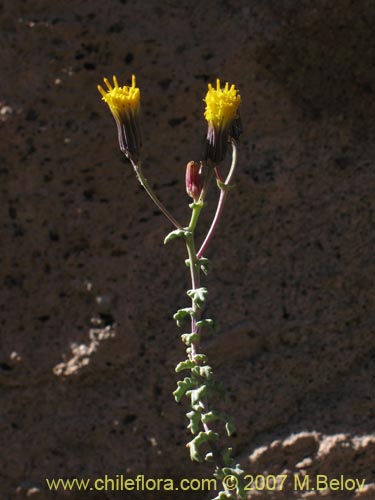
<point>220,205</point>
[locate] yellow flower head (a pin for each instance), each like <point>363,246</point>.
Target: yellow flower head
<point>223,119</point>
<point>124,103</point>
<point>221,105</point>
<point>121,99</point>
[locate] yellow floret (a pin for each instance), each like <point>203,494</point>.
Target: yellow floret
<point>121,99</point>
<point>221,105</point>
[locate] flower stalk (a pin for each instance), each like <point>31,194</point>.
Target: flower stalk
<point>224,189</point>
<point>143,181</point>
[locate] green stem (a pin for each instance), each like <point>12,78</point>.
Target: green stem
<point>194,270</point>
<point>195,283</point>
<point>142,179</point>
<point>196,211</point>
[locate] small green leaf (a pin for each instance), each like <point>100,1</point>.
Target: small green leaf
<point>224,187</point>
<point>198,295</point>
<point>203,323</point>
<point>224,495</point>
<point>198,406</point>
<point>195,371</point>
<point>205,371</point>
<point>194,452</point>
<point>197,394</point>
<point>228,460</point>
<point>230,427</point>
<point>204,264</point>
<point>195,418</point>
<point>182,313</point>
<point>237,470</point>
<point>195,443</point>
<point>239,475</point>
<point>185,365</point>
<point>211,416</point>
<point>196,204</point>
<point>189,338</point>
<point>182,387</point>
<point>203,261</point>
<point>202,371</point>
<point>177,233</point>
<point>200,358</point>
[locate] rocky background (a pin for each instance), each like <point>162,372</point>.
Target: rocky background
<point>87,343</point>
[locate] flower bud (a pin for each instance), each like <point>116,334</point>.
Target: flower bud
<point>193,180</point>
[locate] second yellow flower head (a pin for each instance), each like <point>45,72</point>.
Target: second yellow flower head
<point>221,105</point>
<point>223,120</point>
